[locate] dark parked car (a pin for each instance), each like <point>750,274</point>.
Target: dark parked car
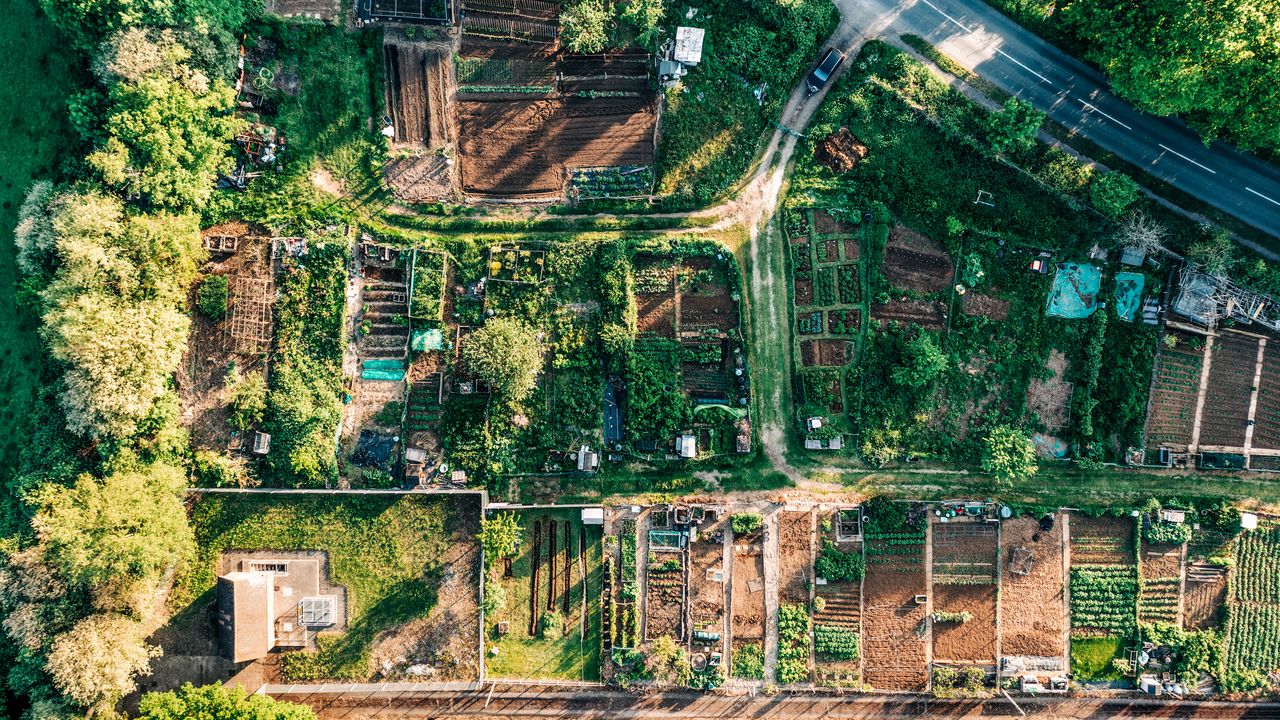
<point>821,74</point>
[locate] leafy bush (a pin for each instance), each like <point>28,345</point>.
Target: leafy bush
<point>551,625</point>
<point>838,566</point>
<point>1159,532</point>
<point>211,298</point>
<point>748,662</point>
<point>745,523</point>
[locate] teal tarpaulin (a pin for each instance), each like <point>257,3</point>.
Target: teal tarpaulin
<point>1129,294</point>
<point>1075,291</point>
<point>391,370</point>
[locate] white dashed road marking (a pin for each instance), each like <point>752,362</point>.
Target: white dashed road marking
<point>953,20</point>
<point>1264,197</point>
<point>1094,108</point>
<point>1024,67</point>
<point>1184,157</point>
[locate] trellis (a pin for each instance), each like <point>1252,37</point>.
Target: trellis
<point>249,316</point>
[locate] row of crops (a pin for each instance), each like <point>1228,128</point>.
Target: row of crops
<point>1253,610</point>
<point>1104,597</point>
<point>1258,563</point>
<point>627,626</point>
<point>426,300</point>
<point>504,72</point>
<point>612,181</point>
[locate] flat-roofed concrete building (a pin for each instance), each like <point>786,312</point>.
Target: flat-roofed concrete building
<point>272,600</point>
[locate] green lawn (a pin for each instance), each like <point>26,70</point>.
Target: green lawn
<point>385,550</point>
<point>575,656</point>
<point>1091,658</point>
<point>40,73</point>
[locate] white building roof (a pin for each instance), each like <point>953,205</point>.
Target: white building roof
<point>688,45</point>
<point>593,516</point>
<point>1248,521</point>
<point>686,446</point>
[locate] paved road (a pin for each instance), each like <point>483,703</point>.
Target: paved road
<point>987,42</point>
<point>597,703</point>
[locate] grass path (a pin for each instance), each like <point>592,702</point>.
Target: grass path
<point>34,135</point>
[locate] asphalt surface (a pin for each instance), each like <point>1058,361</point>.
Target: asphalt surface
<point>598,703</point>
<point>1076,96</point>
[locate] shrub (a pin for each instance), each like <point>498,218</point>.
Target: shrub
<point>1111,194</point>
<point>745,523</point>
<point>838,566</point>
<point>211,298</point>
<point>551,625</point>
<point>1160,532</point>
<point>748,662</point>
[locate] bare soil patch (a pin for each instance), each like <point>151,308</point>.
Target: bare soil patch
<point>972,641</point>
<point>893,622</point>
<point>748,592</point>
<point>795,552</point>
<point>417,85</point>
<point>1206,592</point>
<point>1050,399</point>
<point>520,148</point>
<point>926,314</point>
<point>852,248</point>
<point>978,304</point>
<point>707,304</point>
<point>824,223</point>
<point>824,353</point>
<point>840,151</point>
<point>665,596</point>
<point>915,262</point>
<point>1032,596</point>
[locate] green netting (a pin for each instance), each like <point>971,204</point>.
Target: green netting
<point>391,370</point>
<point>1075,291</point>
<point>423,340</point>
<point>1129,294</point>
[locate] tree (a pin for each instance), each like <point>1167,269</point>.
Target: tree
<point>94,663</point>
<point>583,26</point>
<point>87,22</point>
<point>1014,126</point>
<point>667,662</point>
<point>115,535</point>
<point>1215,254</point>
<point>217,702</point>
<point>1140,232</point>
<point>923,362</point>
<point>167,128</point>
<point>507,354</point>
<point>499,536</point>
<point>119,359</point>
<point>1111,194</point>
<point>34,236</point>
<point>645,16</point>
<point>1008,455</point>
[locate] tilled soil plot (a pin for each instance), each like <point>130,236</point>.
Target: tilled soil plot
<point>656,314</point>
<point>915,262</point>
<point>520,148</point>
<point>852,248</point>
<point>1050,398</point>
<point>1032,598</point>
<point>926,314</point>
<point>665,596</point>
<point>978,304</point>
<point>1230,390</point>
<point>406,91</point>
<point>965,553</point>
<point>748,592</point>
<point>795,551</point>
<point>706,594</point>
<point>825,224</point>
<point>893,623</point>
<point>706,305</point>
<point>975,640</point>
<point>824,353</point>
<point>804,292</point>
<point>1160,594</point>
<point>1102,540</point>
<point>1205,595</point>
<point>828,251</point>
